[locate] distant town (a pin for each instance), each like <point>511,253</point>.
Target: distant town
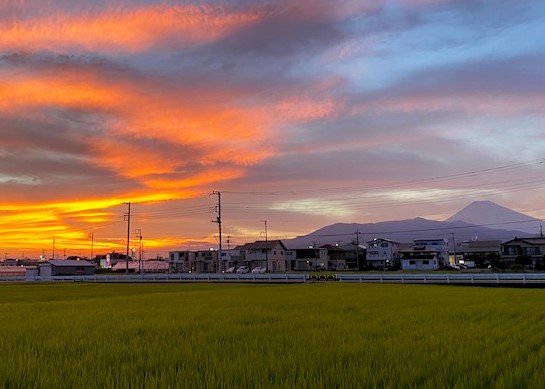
<point>272,256</point>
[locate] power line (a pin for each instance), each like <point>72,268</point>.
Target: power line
<point>400,183</point>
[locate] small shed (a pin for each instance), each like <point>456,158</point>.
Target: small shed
<point>59,267</point>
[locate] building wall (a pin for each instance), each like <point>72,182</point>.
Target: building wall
<point>382,251</point>
<point>439,245</point>
<point>419,264</point>
<point>72,270</point>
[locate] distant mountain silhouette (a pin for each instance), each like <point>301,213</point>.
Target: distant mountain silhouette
<point>405,231</point>
<point>492,215</point>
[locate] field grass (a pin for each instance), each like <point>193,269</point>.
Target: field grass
<point>327,335</point>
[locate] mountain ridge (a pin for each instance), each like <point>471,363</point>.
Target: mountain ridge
<point>405,231</point>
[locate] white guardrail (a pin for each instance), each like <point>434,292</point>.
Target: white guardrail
<point>447,278</point>
<point>178,277</point>
<point>403,278</point>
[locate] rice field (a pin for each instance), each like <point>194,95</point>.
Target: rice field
<point>327,335</point>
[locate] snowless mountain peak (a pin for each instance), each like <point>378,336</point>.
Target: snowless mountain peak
<point>490,214</point>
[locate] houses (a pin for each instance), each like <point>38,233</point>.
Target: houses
<point>268,254</point>
<point>528,252</point>
<point>382,253</point>
<point>425,254</point>
<point>479,253</point>
<point>377,254</point>
<point>308,259</point>
<point>181,261</point>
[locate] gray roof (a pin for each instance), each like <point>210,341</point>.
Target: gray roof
<point>262,245</point>
<point>70,262</point>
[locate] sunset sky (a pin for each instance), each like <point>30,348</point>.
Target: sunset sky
<point>301,113</point>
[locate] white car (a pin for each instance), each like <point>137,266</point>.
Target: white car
<point>259,270</point>
<point>243,269</point>
<point>232,269</point>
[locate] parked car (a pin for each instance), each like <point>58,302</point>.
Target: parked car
<point>259,270</point>
<point>450,267</point>
<point>232,269</point>
<point>243,269</point>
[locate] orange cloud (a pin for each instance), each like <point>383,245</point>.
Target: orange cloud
<point>120,28</point>
<point>215,133</point>
<point>32,227</point>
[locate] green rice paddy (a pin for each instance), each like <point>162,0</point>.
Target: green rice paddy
<point>322,335</point>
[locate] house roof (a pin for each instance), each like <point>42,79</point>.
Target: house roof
<point>481,246</point>
<point>378,240</point>
<point>534,241</point>
<point>70,262</point>
<point>262,245</point>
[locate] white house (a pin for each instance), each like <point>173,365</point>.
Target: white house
<point>382,253</point>
<point>419,259</point>
<point>425,254</point>
<point>268,254</point>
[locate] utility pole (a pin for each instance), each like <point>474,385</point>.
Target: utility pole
<point>358,249</point>
<point>92,236</point>
<point>266,246</point>
<point>218,220</point>
<point>53,255</point>
<point>127,218</point>
<point>138,233</point>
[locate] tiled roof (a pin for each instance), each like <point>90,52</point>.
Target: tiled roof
<point>537,240</point>
<point>263,245</point>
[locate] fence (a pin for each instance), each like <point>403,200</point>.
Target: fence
<point>447,278</point>
<point>399,278</point>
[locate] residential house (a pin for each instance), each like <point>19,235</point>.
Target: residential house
<point>181,261</point>
<point>355,256</point>
<point>382,253</point>
<point>425,254</point>
<point>308,259</point>
<point>419,258</point>
<point>205,261</point>
<point>526,251</point>
<point>268,254</point>
<point>336,257</point>
<point>476,253</point>
<point>231,258</point>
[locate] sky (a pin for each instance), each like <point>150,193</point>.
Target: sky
<point>299,113</point>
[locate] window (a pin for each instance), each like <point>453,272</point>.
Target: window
<point>274,252</point>
<point>426,262</point>
<point>412,262</point>
<point>384,245</point>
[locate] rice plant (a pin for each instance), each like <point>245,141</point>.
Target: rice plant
<point>270,336</point>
